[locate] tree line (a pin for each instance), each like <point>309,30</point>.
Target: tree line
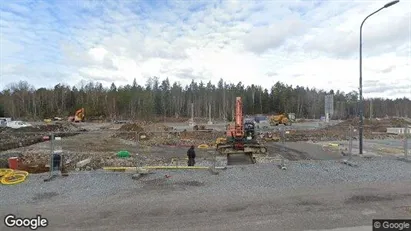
<point>160,98</point>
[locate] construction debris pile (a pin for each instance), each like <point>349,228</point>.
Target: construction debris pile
<point>14,138</point>
<point>35,162</point>
<point>188,138</point>
<point>134,131</point>
<point>373,129</point>
<point>131,131</point>
<point>155,135</point>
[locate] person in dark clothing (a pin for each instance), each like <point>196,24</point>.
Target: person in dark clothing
<point>191,154</point>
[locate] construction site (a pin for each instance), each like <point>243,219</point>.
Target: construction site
<point>75,162</point>
<point>164,144</point>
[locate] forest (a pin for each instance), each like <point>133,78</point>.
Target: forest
<point>158,98</point>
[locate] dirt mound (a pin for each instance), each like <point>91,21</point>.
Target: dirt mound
<point>375,125</point>
<point>131,131</point>
<point>131,128</point>
<point>197,135</point>
<point>147,130</point>
<point>14,138</point>
<point>157,127</point>
<point>373,129</point>
<point>154,134</point>
<point>145,126</point>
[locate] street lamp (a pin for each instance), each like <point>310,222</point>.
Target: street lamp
<point>361,99</point>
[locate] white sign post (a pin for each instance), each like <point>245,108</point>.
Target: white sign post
<point>329,107</point>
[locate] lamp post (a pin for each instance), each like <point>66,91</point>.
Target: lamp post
<point>361,99</point>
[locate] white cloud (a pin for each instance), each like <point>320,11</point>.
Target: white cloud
<point>263,38</point>
<point>306,43</point>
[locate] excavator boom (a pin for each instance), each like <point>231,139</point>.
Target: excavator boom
<point>239,119</point>
<point>78,116</point>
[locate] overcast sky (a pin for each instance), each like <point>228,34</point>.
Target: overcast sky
<point>306,43</point>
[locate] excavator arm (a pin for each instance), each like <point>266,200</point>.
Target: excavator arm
<point>239,119</point>
<point>79,116</point>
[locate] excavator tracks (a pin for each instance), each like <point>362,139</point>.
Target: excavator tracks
<point>248,148</point>
<point>240,157</point>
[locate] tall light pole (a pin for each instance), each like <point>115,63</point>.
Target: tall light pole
<point>361,109</point>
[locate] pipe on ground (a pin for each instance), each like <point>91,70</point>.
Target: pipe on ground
<point>161,167</point>
<point>175,167</point>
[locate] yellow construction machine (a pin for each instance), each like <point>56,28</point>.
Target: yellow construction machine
<point>280,119</point>
<point>78,117</point>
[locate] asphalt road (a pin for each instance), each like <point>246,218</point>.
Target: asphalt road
<point>322,208</point>
<point>309,197</point>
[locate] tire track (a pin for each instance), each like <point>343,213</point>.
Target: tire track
<point>288,153</point>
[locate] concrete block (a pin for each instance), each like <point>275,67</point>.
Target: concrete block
<point>83,163</point>
<point>398,131</point>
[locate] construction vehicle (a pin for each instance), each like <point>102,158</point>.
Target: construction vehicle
<point>78,117</point>
<point>241,137</point>
<point>291,116</point>
<point>280,119</point>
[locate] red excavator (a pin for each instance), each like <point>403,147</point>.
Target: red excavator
<point>241,136</point>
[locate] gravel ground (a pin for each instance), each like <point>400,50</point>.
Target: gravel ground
<point>86,186</point>
<point>303,151</point>
<point>308,195</point>
<point>380,147</point>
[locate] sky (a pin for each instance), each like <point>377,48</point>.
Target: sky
<point>298,42</point>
